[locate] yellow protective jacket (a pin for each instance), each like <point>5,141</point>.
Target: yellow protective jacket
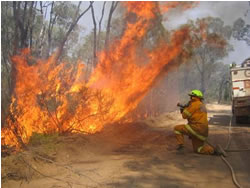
<point>196,114</point>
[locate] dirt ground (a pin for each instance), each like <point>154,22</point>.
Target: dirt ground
<point>141,154</point>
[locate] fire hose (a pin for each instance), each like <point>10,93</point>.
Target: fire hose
<point>223,154</point>
<point>235,150</point>
<point>226,149</point>
<point>224,159</point>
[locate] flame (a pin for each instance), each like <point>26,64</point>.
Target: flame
<point>166,6</point>
<point>55,98</point>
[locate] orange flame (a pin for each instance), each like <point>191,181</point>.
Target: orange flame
<point>53,98</point>
<point>166,6</point>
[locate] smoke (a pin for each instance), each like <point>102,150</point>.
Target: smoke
<point>224,10</point>
<point>229,12</point>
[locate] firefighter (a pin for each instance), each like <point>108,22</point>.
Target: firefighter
<point>197,128</point>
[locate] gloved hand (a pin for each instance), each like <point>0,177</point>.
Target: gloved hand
<point>181,110</point>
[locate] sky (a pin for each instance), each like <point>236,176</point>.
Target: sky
<point>228,11</point>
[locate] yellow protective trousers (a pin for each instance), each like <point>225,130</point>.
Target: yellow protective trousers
<point>198,141</point>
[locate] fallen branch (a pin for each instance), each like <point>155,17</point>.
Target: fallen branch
<point>46,176</point>
<point>44,159</point>
<point>64,166</point>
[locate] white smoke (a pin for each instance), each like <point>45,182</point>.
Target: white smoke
<point>228,11</point>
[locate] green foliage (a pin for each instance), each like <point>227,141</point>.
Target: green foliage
<point>83,51</point>
<point>7,27</point>
<point>47,141</point>
<point>66,12</point>
<point>117,25</point>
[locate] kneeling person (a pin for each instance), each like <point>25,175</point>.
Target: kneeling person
<point>197,127</point>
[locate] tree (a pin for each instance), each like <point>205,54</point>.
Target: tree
<point>52,20</point>
<point>241,31</point>
<point>210,44</point>
<point>18,31</point>
<point>95,40</point>
<point>108,28</point>
<point>100,27</point>
<point>72,25</point>
<point>23,12</point>
<point>41,31</point>
<point>219,84</point>
<point>98,39</point>
<point>40,26</point>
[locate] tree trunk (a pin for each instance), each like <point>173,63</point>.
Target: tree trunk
<point>51,24</point>
<point>220,92</point>
<point>202,71</point>
<point>222,83</point>
<point>16,33</point>
<point>94,30</point>
<point>112,9</point>
<point>203,90</point>
<point>72,25</point>
<point>100,27</point>
<point>32,14</point>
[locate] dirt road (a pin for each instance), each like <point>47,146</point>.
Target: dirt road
<point>219,121</point>
<point>132,155</point>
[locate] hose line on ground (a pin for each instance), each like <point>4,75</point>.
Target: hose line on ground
<point>236,150</point>
<point>229,134</point>
<point>223,158</point>
<point>232,172</point>
<point>229,140</point>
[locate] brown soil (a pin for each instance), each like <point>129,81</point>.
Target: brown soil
<point>141,154</point>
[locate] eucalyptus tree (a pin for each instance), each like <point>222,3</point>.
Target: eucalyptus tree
<point>209,46</point>
<point>241,31</point>
<point>41,26</point>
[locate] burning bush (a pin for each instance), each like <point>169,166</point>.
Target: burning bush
<point>52,97</point>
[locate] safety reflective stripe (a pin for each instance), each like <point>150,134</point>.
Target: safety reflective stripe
<point>177,132</point>
<point>187,112</point>
<point>203,138</point>
<point>199,149</point>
